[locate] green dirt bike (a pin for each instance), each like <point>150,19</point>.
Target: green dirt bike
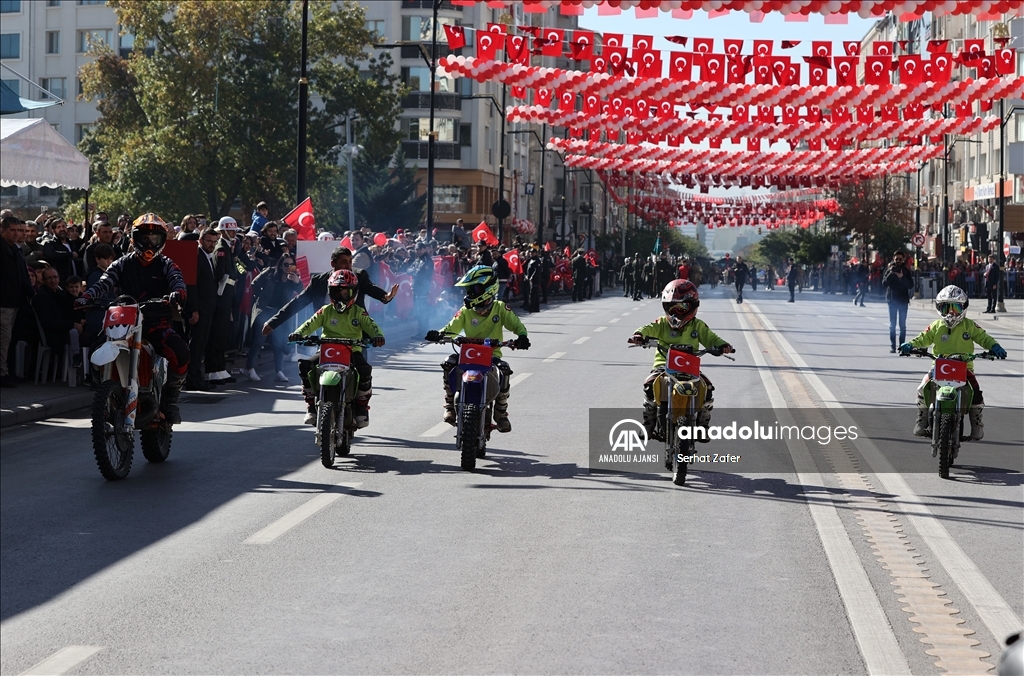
<point>339,382</point>
<point>951,397</point>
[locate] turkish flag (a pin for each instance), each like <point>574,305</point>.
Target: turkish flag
<point>876,70</point>
<point>846,70</point>
<point>733,47</point>
<point>477,355</point>
<point>643,42</point>
<point>613,40</point>
<point>852,48</point>
<point>736,68</point>
<point>882,48</point>
<point>514,263</point>
<point>763,70</point>
<point>762,47</point>
<point>821,49</point>
<point>456,36</point>
<point>817,70</point>
<point>581,47</point>
<point>552,41</point>
<point>487,44</point>
<point>301,220</point>
<point>713,68</point>
<point>682,362</point>
<point>703,45</point>
<point>482,233</point>
<point>680,67</point>
<point>911,70</point>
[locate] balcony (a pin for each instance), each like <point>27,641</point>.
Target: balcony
<point>442,101</point>
<point>428,4</point>
<point>412,50</point>
<point>418,150</point>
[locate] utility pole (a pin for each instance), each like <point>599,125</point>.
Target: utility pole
<point>349,149</point>
<point>432,134</point>
<point>543,163</point>
<point>300,174</point>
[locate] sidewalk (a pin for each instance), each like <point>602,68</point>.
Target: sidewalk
<point>30,403</point>
<point>1012,318</point>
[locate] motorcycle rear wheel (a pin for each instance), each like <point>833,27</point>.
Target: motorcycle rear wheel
<point>326,431</point>
<point>947,428</point>
<point>344,435</point>
<point>156,444</point>
<point>113,449</point>
<point>469,436</point>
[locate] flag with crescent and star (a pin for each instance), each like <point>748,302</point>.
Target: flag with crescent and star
<point>301,220</point>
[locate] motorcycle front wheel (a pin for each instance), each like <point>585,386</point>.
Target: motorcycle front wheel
<point>156,444</point>
<point>469,436</point>
<point>112,446</point>
<point>325,431</point>
<point>344,435</point>
<point>947,428</point>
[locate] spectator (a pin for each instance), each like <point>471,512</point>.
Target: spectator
<point>898,283</point>
<point>103,233</point>
<point>579,275</point>
<point>259,218</point>
<point>31,249</point>
<point>503,273</point>
<point>422,271</point>
<point>271,247</point>
<point>58,252</point>
<point>361,259</point>
<point>189,224</point>
<point>272,289</point>
<point>684,270</point>
<point>202,305</point>
<point>740,273</point>
<point>860,276</point>
<point>531,275</point>
<point>993,275</point>
<point>14,288</point>
<point>291,242</point>
<point>792,277</point>
<point>226,275</point>
<point>460,237</point>
<point>53,307</point>
<point>104,255</point>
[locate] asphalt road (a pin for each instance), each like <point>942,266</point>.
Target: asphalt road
<point>242,554</point>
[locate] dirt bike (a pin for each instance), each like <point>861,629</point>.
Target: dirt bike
<point>475,382</point>
<point>339,381</point>
<point>132,377</point>
<point>679,394</point>
<point>951,399</point>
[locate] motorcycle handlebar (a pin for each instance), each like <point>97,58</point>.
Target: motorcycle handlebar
<point>462,340</point>
<point>313,341</point>
<point>650,342</point>
<point>925,352</point>
<point>95,304</point>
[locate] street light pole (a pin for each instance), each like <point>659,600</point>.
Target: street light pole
<point>501,167</point>
<point>300,173</point>
<point>349,148</point>
<point>432,133</point>
<point>543,205</point>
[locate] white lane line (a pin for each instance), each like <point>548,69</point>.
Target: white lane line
<point>600,329</point>
<point>1007,370</point>
<point>990,606</point>
<point>295,517</point>
<point>626,314</point>
<point>437,430</point>
<point>874,635</point>
<point>517,379</point>
<point>63,661</point>
<point>557,355</point>
<point>580,341</point>
<point>612,321</point>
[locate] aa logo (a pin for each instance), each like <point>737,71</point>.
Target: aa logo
<point>628,436</point>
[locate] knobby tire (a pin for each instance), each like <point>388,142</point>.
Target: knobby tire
<point>113,450</point>
<point>947,428</point>
<point>325,425</point>
<point>156,444</point>
<point>344,433</point>
<point>469,439</point>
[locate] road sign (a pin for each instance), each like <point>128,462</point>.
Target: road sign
<point>835,248</point>
<point>917,240</point>
<point>530,188</point>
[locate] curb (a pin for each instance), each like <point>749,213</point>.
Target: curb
<point>34,412</point>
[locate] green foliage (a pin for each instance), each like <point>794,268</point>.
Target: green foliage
<point>209,113</point>
<point>385,193</point>
<point>879,212</point>
<point>641,240</point>
<point>806,246</point>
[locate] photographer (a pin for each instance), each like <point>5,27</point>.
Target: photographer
<point>898,282</point>
<point>272,289</point>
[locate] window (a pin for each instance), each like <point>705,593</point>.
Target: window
<point>55,85</point>
<point>15,85</point>
<point>450,199</point>
<point>56,126</point>
<point>419,129</point>
<point>466,134</point>
<point>10,6</point>
<point>78,86</point>
<point>9,191</point>
<point>490,145</point>
<point>127,45</point>
<point>10,46</point>
<point>983,165</point>
<point>53,3</point>
<point>95,35</point>
<point>417,78</point>
<point>376,28</point>
<point>418,28</point>
<point>47,192</point>
<point>80,131</point>
<point>53,42</point>
<point>92,2</point>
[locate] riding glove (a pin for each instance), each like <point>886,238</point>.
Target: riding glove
<point>997,351</point>
<point>294,337</point>
<point>906,348</point>
<point>523,342</point>
<point>378,341</point>
<point>432,336</point>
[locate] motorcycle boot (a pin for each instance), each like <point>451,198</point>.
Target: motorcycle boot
<point>651,420</point>
<point>361,408</point>
<point>169,398</point>
<point>501,420</point>
<point>977,426</point>
<point>310,399</point>
<point>923,426</point>
<point>450,415</point>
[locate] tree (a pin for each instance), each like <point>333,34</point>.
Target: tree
<point>204,110</point>
<point>385,193</point>
<point>877,212</point>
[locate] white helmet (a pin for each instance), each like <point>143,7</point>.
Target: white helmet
<point>226,223</point>
<point>951,304</point>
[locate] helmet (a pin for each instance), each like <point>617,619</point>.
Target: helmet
<point>680,301</point>
<point>343,287</point>
<point>1011,662</point>
<point>226,224</point>
<point>951,304</point>
<point>481,286</point>
<point>149,234</point>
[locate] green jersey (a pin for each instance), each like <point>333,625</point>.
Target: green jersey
<point>693,334</point>
<point>348,324</point>
<point>476,325</point>
<point>957,340</point>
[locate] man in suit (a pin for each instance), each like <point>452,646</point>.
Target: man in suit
<point>226,275</point>
<point>202,303</point>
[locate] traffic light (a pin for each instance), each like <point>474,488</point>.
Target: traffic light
<point>759,229</point>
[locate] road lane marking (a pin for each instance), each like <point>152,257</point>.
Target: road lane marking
<point>871,629</point>
<point>437,430</point>
<point>600,328</point>
<point>626,314</point>
<point>993,610</point>
<point>518,379</point>
<point>1007,370</point>
<point>580,341</point>
<point>295,517</point>
<point>557,355</point>
<point>63,661</point>
<point>612,321</point>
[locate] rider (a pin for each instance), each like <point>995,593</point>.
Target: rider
<point>482,317</point>
<point>343,318</point>
<point>951,304</point>
<point>146,274</point>
<point>679,327</point>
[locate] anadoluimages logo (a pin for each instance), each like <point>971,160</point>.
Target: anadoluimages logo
<point>621,442</point>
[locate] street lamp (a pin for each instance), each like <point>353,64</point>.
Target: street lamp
<point>300,172</point>
<point>350,150</point>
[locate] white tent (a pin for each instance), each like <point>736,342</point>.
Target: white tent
<point>33,153</point>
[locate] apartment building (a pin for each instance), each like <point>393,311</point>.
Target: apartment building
<point>45,41</point>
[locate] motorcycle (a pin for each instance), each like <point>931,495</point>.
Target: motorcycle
<point>679,394</point>
<point>475,383</point>
<point>951,399</point>
<point>335,425</point>
<point>132,377</point>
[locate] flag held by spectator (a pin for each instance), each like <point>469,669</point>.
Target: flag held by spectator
<point>514,262</point>
<point>301,220</point>
<point>482,233</point>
